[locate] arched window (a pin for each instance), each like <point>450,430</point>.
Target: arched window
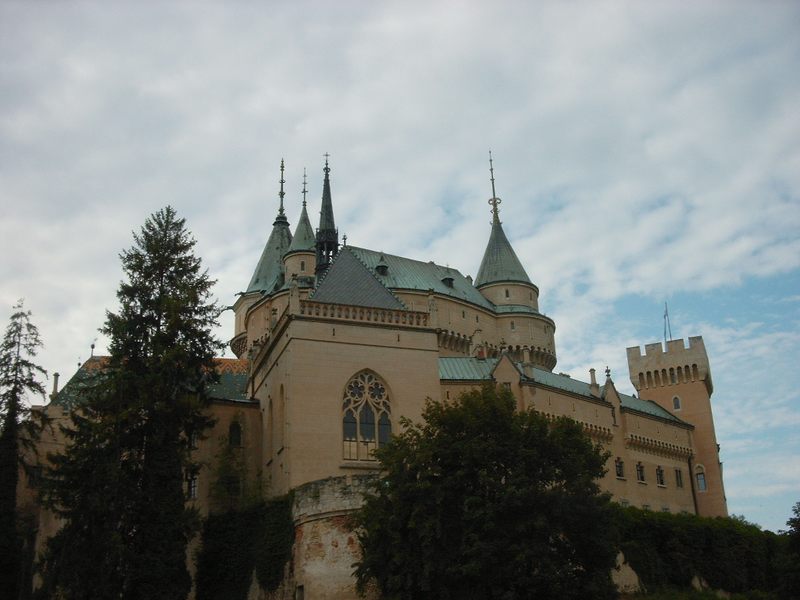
<point>676,403</point>
<point>235,435</point>
<point>700,476</point>
<point>366,419</point>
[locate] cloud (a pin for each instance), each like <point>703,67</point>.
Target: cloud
<point>642,152</point>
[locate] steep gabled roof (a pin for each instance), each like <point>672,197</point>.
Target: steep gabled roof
<point>500,262</point>
<point>407,274</point>
<point>348,281</point>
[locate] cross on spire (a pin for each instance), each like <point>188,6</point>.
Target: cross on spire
<point>326,169</point>
<point>305,191</point>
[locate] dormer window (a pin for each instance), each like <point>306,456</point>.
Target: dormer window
<point>448,281</point>
<point>382,269</point>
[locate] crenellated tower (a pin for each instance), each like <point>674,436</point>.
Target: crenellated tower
<point>679,380</point>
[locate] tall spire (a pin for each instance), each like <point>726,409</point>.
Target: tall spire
<point>494,200</point>
<point>281,194</point>
<point>305,190</point>
<point>500,262</point>
<point>327,234</point>
<point>268,275</point>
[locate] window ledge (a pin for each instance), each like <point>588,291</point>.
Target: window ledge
<point>661,485</point>
<point>621,478</point>
<point>372,465</point>
<point>642,482</point>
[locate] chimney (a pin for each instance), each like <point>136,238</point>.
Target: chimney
<point>595,389</point>
<point>55,386</point>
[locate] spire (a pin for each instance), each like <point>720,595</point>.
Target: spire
<point>327,236</point>
<point>303,239</point>
<point>281,194</point>
<point>494,200</point>
<point>269,274</point>
<point>326,222</point>
<point>500,262</point>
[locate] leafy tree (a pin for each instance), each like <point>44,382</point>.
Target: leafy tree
<point>19,429</point>
<point>120,485</point>
<point>790,561</point>
<point>483,501</point>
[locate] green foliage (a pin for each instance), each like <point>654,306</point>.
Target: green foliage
<point>19,430</point>
<point>789,561</point>
<point>119,486</point>
<point>483,501</point>
<point>667,550</point>
<point>236,543</point>
<point>231,489</point>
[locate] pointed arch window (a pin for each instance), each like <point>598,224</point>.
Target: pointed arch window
<point>366,416</point>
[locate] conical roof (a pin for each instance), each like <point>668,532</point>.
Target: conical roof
<point>269,271</point>
<point>304,234</point>
<point>500,262</point>
<point>326,223</point>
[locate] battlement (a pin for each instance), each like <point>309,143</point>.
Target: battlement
<point>676,365</point>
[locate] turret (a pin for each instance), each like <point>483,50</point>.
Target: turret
<point>679,380</point>
<point>327,239</point>
<point>300,260</point>
<point>503,281</point>
<point>269,274</point>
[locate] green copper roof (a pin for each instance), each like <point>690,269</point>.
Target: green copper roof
<point>466,368</point>
<point>348,281</point>
<point>269,271</point>
<point>304,234</point>
<point>407,274</point>
<point>326,222</point>
<point>475,369</point>
<point>500,262</point>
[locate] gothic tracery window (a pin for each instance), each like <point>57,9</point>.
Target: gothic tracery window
<point>366,419</point>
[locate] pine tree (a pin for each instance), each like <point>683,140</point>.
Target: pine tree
<point>120,485</point>
<point>19,429</point>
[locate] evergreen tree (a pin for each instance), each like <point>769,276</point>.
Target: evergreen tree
<point>19,429</point>
<point>120,485</point>
<point>482,501</point>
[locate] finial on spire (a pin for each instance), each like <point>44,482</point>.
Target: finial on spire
<point>281,193</point>
<point>494,200</point>
<point>327,168</point>
<point>608,373</point>
<point>344,239</point>
<point>305,191</point>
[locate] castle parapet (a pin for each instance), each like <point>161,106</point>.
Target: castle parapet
<point>678,364</point>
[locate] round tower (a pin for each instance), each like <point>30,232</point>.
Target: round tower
<point>300,260</point>
<point>503,281</point>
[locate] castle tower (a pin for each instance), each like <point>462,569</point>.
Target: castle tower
<point>300,260</point>
<point>269,274</point>
<point>503,281</point>
<point>679,380</point>
<point>327,241</point>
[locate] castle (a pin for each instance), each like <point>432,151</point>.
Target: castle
<point>335,343</point>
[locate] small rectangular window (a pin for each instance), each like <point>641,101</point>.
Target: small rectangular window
<point>191,486</point>
<point>679,478</point>
<point>660,476</point>
<point>619,468</point>
<point>640,472</point>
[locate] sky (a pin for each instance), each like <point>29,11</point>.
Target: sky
<point>645,152</point>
